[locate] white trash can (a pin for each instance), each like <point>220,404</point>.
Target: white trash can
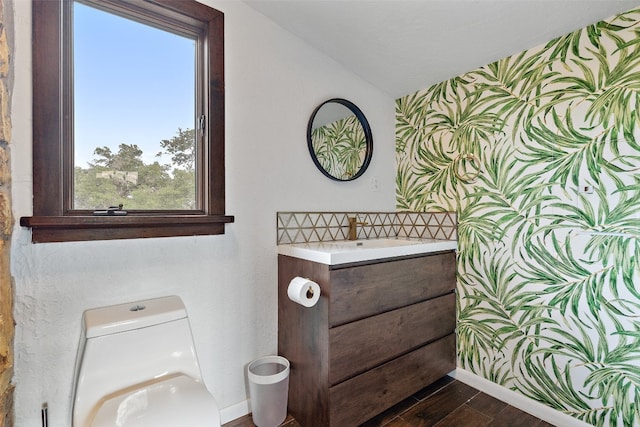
<point>269,390</point>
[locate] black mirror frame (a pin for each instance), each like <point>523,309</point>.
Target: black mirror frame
<point>367,134</point>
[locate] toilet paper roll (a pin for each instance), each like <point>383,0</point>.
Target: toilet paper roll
<point>303,291</point>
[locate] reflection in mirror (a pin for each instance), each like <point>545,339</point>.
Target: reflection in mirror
<point>339,140</point>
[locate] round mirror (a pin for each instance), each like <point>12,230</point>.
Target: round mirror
<point>339,140</point>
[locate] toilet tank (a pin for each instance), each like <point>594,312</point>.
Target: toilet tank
<point>131,345</point>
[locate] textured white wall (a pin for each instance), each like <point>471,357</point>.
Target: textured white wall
<point>273,81</point>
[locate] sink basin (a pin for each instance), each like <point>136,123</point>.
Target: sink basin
<point>346,251</point>
<point>349,245</point>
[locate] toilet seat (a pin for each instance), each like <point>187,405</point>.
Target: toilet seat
<point>173,402</point>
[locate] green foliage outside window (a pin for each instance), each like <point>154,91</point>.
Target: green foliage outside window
<point>123,177</point>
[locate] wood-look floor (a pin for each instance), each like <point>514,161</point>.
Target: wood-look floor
<point>446,403</point>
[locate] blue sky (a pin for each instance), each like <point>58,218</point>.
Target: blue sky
<point>127,90</point>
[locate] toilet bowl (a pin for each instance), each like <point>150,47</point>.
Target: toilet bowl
<point>137,367</point>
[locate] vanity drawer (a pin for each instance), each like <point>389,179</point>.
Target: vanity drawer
<point>363,291</point>
<point>359,346</point>
<point>365,396</point>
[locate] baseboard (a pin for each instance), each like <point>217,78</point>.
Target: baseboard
<point>233,412</point>
<point>518,400</point>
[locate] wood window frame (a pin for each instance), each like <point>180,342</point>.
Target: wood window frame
<point>54,219</point>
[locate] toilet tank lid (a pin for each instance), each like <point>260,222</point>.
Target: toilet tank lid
<point>134,315</point>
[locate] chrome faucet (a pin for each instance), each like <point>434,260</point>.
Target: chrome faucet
<point>353,227</point>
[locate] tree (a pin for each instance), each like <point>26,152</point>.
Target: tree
<point>182,149</point>
<point>127,158</point>
<point>123,177</point>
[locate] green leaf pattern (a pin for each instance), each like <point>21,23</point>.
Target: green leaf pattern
<point>340,147</point>
<point>548,273</point>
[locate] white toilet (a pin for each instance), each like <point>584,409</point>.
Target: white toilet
<point>137,367</point>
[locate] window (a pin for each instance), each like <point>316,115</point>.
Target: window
<point>180,194</point>
<point>142,78</point>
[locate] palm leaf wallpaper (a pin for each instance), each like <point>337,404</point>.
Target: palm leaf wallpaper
<point>549,256</point>
<point>340,147</point>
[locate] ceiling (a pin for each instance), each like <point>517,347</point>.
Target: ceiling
<point>402,46</point>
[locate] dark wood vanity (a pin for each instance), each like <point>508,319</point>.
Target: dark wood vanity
<point>381,331</point>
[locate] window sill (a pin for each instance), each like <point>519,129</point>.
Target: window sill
<point>84,228</point>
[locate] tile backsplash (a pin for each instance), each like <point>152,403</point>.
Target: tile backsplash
<point>304,227</point>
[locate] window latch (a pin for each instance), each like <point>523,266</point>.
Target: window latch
<point>112,211</point>
<point>202,121</point>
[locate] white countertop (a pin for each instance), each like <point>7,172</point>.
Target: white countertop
<point>346,251</point>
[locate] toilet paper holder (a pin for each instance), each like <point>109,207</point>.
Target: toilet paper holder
<point>310,292</point>
<point>303,291</point>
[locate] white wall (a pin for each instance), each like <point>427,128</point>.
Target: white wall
<point>228,282</point>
